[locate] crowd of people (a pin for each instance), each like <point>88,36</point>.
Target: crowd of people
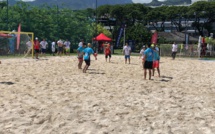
<point>84,52</point>
<point>41,47</point>
<point>149,55</point>
<point>150,60</point>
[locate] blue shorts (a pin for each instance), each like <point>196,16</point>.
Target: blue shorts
<point>43,50</point>
<point>127,56</point>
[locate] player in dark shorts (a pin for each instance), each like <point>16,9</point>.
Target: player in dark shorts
<point>107,52</point>
<point>148,65</point>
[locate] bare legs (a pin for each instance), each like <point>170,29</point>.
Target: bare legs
<point>145,73</point>
<point>85,68</point>
<point>106,59</point>
<point>80,64</point>
<point>59,53</point>
<point>37,55</point>
<point>128,60</point>
<point>153,72</point>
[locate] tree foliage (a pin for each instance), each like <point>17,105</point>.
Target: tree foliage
<point>52,22</point>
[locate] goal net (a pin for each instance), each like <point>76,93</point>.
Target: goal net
<point>10,46</point>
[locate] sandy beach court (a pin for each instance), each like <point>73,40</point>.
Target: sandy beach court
<point>52,96</point>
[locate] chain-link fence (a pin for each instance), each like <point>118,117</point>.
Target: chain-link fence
<point>185,51</point>
<point>8,44</point>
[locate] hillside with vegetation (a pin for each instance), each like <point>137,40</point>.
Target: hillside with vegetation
<point>83,4</point>
<point>169,2</point>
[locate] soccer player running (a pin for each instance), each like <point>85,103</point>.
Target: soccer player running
<point>87,52</point>
<point>148,58</point>
<point>80,52</point>
<point>107,52</point>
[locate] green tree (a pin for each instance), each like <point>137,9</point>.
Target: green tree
<point>204,14</point>
<point>140,34</point>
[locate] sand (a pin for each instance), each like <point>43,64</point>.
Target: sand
<point>52,96</point>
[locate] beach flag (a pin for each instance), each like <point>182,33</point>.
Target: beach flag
<point>121,30</point>
<point>18,37</point>
<point>154,38</point>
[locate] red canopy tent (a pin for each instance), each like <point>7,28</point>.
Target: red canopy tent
<point>102,37</point>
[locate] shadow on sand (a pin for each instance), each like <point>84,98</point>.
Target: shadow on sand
<point>7,83</point>
<point>166,78</point>
<point>94,72</point>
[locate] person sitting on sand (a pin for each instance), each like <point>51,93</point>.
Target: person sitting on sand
<point>87,52</point>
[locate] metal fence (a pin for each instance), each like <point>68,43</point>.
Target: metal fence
<point>185,51</point>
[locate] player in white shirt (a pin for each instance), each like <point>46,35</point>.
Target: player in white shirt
<point>43,45</point>
<point>67,46</point>
<point>53,47</point>
<point>60,47</point>
<point>29,46</point>
<point>127,53</point>
<point>174,50</point>
<point>81,43</point>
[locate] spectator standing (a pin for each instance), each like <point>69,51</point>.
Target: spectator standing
<point>43,46</point>
<point>174,50</point>
<point>29,47</point>
<point>36,47</point>
<point>53,48</point>
<point>67,46</point>
<point>60,47</point>
<point>127,53</point>
<point>81,43</point>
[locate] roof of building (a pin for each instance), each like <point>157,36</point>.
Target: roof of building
<point>176,36</point>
